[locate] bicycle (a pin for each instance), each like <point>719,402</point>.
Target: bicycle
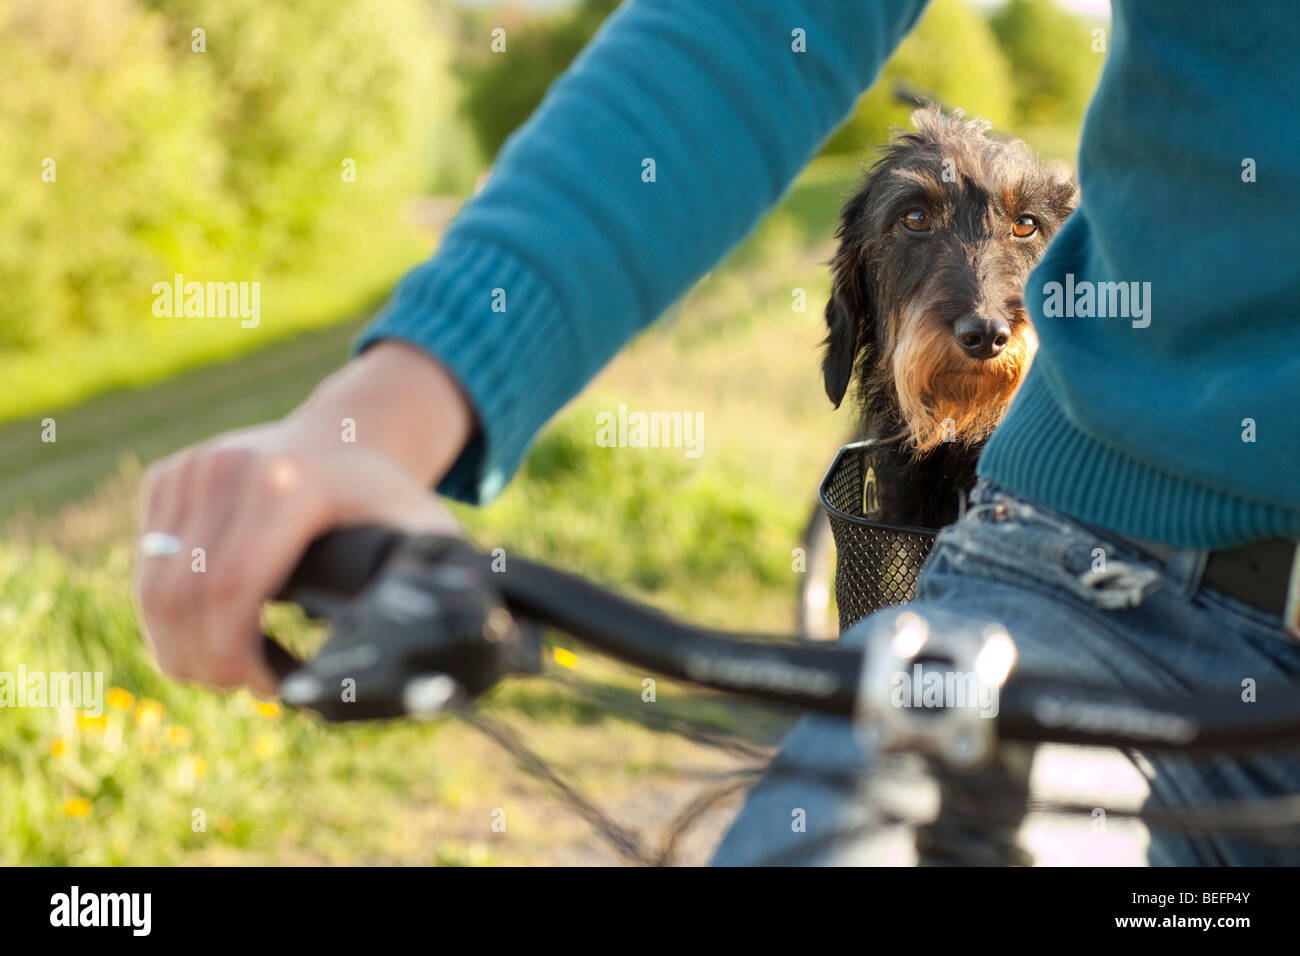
<point>421,625</point>
<point>817,584</point>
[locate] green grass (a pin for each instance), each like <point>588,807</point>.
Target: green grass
<point>133,786</point>
<point>350,281</point>
<point>710,538</point>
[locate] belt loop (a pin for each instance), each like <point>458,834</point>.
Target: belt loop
<point>1184,569</point>
<point>1291,616</point>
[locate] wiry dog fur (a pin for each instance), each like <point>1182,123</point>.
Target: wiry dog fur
<point>904,300</point>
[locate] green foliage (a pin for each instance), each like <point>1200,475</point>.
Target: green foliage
<point>689,525</point>
<point>709,539</point>
<point>122,787</point>
<point>306,85</point>
<point>504,89</point>
<point>344,283</point>
<point>224,164</point>
<point>94,90</point>
<point>952,56</point>
<point>1052,61</point>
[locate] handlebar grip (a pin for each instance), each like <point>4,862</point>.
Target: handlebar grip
<point>341,562</point>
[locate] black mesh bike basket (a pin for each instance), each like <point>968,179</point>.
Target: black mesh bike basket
<point>876,564</point>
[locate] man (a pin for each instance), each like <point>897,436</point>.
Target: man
<point>1167,439</point>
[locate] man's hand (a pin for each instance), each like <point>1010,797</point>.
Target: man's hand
<point>254,499</point>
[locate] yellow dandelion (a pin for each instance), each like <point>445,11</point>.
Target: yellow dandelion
<point>91,723</point>
<point>198,766</point>
<point>77,807</point>
<point>58,748</point>
<point>566,658</point>
<point>150,713</point>
<point>120,699</point>
<point>268,709</point>
<point>178,737</point>
<point>263,746</point>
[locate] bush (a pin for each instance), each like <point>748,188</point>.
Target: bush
<point>219,164</point>
<point>505,89</point>
<point>303,86</point>
<point>93,89</point>
<point>689,525</point>
<point>952,56</point>
<point>1051,58</point>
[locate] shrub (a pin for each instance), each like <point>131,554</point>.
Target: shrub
<point>1051,58</point>
<point>504,89</point>
<point>951,55</point>
<point>225,163</point>
<point>93,89</point>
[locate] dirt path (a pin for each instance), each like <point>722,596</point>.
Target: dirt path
<point>146,423</point>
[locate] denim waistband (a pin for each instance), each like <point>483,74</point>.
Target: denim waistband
<point>1180,569</point>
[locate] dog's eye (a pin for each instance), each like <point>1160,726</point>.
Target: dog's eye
<point>1024,227</point>
<point>918,220</point>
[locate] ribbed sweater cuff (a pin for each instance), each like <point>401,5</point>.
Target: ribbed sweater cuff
<point>1039,453</point>
<point>487,317</point>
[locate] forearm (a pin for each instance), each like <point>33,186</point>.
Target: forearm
<point>362,450</point>
<point>662,146</point>
<point>395,399</point>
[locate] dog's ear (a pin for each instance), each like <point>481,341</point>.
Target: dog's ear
<point>845,318</point>
<point>1064,189</point>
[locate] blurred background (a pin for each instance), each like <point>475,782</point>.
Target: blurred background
<point>133,148</point>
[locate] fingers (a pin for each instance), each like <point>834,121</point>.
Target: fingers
<point>285,504</point>
<point>253,552</point>
<point>158,600</point>
<point>201,607</point>
<point>160,491</point>
<point>244,511</point>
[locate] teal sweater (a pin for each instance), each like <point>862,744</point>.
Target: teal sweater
<point>1139,424</point>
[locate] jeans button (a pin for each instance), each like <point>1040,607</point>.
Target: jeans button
<point>1001,510</point>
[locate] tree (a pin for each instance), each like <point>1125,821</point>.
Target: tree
<point>1050,52</point>
<point>505,88</point>
<point>131,149</point>
<point>952,56</point>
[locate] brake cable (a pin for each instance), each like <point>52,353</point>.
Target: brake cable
<point>624,842</point>
<point>419,627</point>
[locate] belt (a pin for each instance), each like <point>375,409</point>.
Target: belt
<point>1264,574</point>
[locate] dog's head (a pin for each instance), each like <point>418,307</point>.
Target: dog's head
<point>926,299</point>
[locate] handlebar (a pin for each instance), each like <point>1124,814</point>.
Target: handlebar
<point>420,624</point>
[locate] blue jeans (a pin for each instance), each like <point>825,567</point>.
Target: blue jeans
<point>1141,624</point>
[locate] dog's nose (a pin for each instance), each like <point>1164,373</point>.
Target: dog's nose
<point>981,338</point>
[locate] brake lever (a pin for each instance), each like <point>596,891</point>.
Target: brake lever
<point>415,626</point>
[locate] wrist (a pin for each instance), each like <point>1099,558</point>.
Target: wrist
<point>398,400</point>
